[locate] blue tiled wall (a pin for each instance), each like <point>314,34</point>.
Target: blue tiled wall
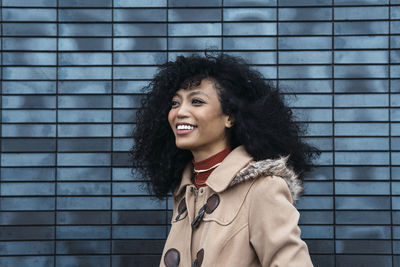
<point>72,71</point>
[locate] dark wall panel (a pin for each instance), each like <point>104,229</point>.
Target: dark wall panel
<point>71,79</point>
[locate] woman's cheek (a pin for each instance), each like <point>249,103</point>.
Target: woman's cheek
<point>171,116</point>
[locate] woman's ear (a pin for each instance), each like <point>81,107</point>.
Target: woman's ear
<point>229,121</point>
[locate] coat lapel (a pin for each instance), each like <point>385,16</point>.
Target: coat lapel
<point>222,176</point>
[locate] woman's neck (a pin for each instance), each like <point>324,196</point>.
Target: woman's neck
<point>202,154</point>
<point>203,168</point>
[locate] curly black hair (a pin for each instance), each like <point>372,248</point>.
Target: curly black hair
<point>263,124</point>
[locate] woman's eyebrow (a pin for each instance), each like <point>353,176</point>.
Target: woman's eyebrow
<point>178,95</point>
<point>192,94</point>
<point>198,93</point>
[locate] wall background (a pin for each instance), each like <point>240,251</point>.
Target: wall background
<point>71,77</point>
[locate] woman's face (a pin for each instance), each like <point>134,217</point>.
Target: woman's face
<point>197,120</point>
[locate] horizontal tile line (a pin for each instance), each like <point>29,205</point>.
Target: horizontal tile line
<point>75,225</point>
<point>198,36</point>
<point>158,65</point>
<point>73,210</point>
<point>210,21</point>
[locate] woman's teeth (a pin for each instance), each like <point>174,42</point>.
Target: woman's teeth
<point>185,127</point>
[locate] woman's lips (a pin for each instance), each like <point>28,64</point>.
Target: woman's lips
<point>182,129</point>
<point>185,131</point>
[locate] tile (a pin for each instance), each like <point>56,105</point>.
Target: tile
<point>192,14</point>
<point>249,14</point>
<point>85,3</point>
<point>142,14</point>
<point>305,13</point>
<point>84,15</point>
<point>30,29</point>
<point>37,261</point>
<point>99,261</point>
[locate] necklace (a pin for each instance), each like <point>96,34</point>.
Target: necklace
<point>199,183</point>
<point>200,171</point>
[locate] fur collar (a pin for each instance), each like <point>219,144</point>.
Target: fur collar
<point>270,167</point>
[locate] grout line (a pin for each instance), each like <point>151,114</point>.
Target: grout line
<point>112,135</point>
<point>333,134</point>
<point>222,26</point>
<point>277,45</point>
<point>1,100</point>
<point>390,136</point>
<point>56,142</point>
<point>167,199</point>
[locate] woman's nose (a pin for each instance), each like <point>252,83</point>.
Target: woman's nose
<point>183,111</point>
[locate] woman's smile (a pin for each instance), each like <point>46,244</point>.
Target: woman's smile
<point>183,128</point>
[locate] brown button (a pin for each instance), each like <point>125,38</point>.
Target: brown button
<point>212,203</point>
<point>199,258</point>
<point>172,258</point>
<point>181,208</point>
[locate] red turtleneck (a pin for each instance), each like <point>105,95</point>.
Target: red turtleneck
<point>201,177</point>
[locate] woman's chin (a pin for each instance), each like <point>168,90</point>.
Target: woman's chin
<point>183,146</point>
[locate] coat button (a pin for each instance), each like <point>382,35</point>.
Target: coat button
<point>172,258</point>
<point>181,208</point>
<point>212,203</point>
<point>199,258</point>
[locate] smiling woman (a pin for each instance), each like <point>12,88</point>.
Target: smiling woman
<point>216,135</point>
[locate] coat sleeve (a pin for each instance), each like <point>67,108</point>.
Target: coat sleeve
<point>273,229</point>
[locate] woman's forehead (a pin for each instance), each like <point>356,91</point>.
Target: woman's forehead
<point>192,84</point>
<point>206,88</point>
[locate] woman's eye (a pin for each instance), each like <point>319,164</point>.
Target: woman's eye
<point>174,103</point>
<point>197,101</point>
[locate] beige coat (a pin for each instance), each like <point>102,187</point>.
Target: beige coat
<point>249,219</point>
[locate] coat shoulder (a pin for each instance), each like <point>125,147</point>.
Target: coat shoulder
<point>271,167</point>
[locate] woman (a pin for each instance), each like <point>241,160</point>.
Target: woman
<point>218,137</point>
